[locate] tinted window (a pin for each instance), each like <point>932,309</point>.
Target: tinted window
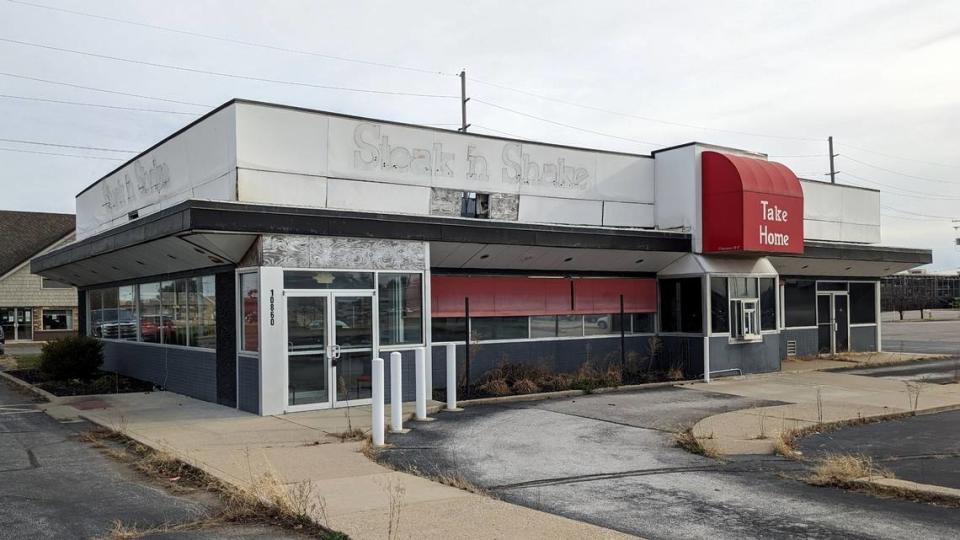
<point>449,329</point>
<point>401,307</point>
<point>643,323</point>
<point>681,305</point>
<point>768,304</point>
<point>863,308</point>
<point>489,328</point>
<point>800,302</point>
<point>719,312</point>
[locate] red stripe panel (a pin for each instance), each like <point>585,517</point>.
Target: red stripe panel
<point>496,296</point>
<point>603,295</point>
<point>505,296</point>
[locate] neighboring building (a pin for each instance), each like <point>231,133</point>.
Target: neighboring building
<point>919,289</point>
<point>33,308</point>
<point>262,255</point>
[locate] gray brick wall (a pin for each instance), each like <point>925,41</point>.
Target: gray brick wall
<point>248,384</point>
<point>191,372</point>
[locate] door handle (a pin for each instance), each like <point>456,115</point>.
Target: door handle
<point>335,351</point>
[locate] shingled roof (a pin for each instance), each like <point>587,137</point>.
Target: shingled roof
<point>25,234</point>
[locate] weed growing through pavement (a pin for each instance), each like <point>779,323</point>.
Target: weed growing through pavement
<point>844,470</point>
<point>689,442</point>
<point>913,394</point>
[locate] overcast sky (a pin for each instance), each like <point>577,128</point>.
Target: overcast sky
<point>775,77</point>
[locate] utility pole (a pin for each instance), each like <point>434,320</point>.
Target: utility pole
<point>463,101</point>
<point>833,173</point>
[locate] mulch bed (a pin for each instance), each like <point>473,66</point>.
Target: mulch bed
<point>102,382</point>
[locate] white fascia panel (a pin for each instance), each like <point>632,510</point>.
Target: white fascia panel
<point>284,189</point>
<point>565,211</point>
<point>377,197</point>
<point>618,214</point>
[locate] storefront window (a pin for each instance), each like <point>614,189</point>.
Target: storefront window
<point>127,313</point>
<point>595,325</point>
<point>492,328</point>
<point>719,308</point>
<point>108,314</point>
<point>312,279</point>
<point>570,325</point>
<point>448,329</point>
<point>95,311</point>
<point>644,323</point>
<point>863,307</point>
<point>203,312</point>
<point>401,309</point>
<point>799,302</point>
<point>173,308</point>
<point>57,319</point>
<point>768,304</point>
<point>150,322</point>
<point>249,294</point>
<point>543,326</point>
<point>681,305</point>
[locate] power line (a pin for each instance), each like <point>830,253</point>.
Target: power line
<point>236,41</point>
<point>138,109</point>
<point>41,143</point>
<point>901,157</point>
<point>585,130</point>
<point>639,117</point>
<point>93,89</point>
<point>501,132</point>
<point>225,74</point>
<point>927,216</point>
<point>902,191</point>
<point>898,172</point>
<point>22,151</point>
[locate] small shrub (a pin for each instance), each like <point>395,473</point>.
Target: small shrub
<point>842,469</point>
<point>74,357</point>
<point>525,386</point>
<point>495,387</point>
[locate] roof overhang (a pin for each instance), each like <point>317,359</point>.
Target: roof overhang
<point>850,260</point>
<point>187,235</point>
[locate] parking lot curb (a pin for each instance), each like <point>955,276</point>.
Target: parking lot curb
<point>36,390</point>
<point>906,488</point>
<point>543,396</point>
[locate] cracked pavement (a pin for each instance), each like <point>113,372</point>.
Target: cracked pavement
<point>610,460</point>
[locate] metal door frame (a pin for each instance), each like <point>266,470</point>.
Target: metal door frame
<point>329,344</point>
<point>374,336</point>
<point>833,318</point>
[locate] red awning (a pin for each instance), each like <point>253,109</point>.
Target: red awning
<point>750,204</point>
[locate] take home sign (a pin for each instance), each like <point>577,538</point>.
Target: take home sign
<point>750,205</point>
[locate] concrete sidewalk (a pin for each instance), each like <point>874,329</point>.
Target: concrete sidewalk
<point>238,447</point>
<point>814,397</point>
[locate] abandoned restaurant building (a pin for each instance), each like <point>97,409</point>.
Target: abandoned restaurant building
<point>261,256</point>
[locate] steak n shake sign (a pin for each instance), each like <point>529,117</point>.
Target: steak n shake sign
<point>750,205</point>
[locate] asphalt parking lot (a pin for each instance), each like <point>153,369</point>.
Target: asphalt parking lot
<point>610,459</point>
<point>53,486</point>
<point>924,449</point>
<point>922,336</point>
<point>937,371</point>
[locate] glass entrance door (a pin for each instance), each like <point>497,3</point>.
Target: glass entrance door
<point>17,323</point>
<point>330,347</point>
<point>307,360</point>
<point>353,348</point>
<point>833,323</point>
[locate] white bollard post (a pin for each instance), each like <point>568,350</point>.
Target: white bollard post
<point>429,368</point>
<point>452,377</point>
<point>396,394</point>
<point>377,402</point>
<point>420,368</point>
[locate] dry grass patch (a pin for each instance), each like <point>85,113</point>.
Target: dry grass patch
<point>266,501</point>
<point>845,470</point>
<point>689,442</point>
